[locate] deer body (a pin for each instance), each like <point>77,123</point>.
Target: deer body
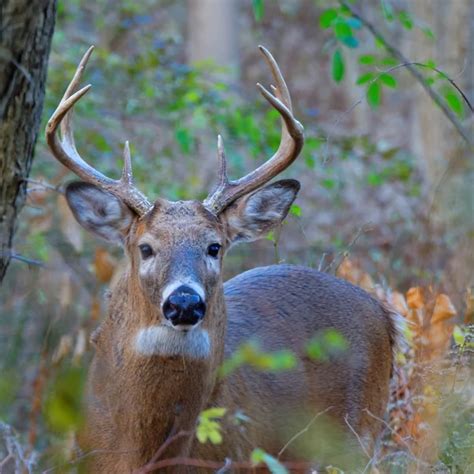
<point>172,322</point>
<point>137,401</point>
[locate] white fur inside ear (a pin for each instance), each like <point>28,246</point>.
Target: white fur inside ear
<point>166,341</point>
<point>99,211</point>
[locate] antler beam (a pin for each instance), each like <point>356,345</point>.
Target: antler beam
<point>64,148</point>
<point>291,143</point>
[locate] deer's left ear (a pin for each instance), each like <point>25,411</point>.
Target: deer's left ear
<point>252,217</point>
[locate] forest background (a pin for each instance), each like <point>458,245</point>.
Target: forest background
<point>386,173</point>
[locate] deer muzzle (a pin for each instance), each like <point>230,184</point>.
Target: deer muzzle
<point>184,307</point>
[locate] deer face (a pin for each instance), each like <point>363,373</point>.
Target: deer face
<point>176,248</point>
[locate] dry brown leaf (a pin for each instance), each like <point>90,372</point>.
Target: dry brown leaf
<point>399,303</point>
<point>63,349</point>
<point>104,265</point>
<point>443,309</point>
<point>95,309</point>
<point>415,299</point>
<point>69,227</point>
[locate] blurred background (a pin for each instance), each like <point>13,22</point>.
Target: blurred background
<point>386,177</point>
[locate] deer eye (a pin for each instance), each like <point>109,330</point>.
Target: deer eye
<point>213,250</point>
<point>146,251</point>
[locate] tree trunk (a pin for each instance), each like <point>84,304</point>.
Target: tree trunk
<point>26,29</point>
<point>212,33</point>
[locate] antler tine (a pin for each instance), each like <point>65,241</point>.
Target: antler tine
<point>222,162</point>
<point>64,148</point>
<point>291,143</point>
<point>127,174</point>
<point>281,89</point>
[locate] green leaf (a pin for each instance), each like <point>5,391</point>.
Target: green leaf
<point>338,67</point>
<point>405,19</point>
<point>428,32</point>
<point>388,61</point>
<point>387,10</point>
<point>374,179</point>
<point>214,412</point>
<point>374,94</point>
<point>388,80</point>
<point>295,210</point>
<point>329,183</point>
<point>260,456</point>
<point>367,59</point>
<point>350,41</point>
<point>185,139</point>
<point>367,77</point>
<point>326,343</point>
<point>327,17</point>
<point>342,30</point>
<point>258,9</point>
<point>354,22</point>
<point>454,102</point>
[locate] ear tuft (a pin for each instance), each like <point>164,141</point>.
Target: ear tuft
<point>99,211</point>
<point>253,216</point>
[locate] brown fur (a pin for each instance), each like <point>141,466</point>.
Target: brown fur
<point>135,402</point>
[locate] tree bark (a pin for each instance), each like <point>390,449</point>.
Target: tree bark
<point>26,30</point>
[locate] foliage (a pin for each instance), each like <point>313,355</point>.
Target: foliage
<point>144,91</point>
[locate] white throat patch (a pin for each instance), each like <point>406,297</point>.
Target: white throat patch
<point>166,341</point>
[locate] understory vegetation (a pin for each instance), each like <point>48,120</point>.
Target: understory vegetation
<point>386,203</point>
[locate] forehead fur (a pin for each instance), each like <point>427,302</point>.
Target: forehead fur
<point>177,214</point>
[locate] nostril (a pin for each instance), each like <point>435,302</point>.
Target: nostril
<point>184,306</point>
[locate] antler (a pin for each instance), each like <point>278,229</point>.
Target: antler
<point>64,148</point>
<point>291,143</point>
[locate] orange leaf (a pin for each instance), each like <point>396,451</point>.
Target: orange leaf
<point>104,265</point>
<point>443,310</point>
<point>415,298</point>
<point>397,300</point>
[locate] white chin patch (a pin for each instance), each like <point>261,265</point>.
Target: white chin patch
<point>162,340</point>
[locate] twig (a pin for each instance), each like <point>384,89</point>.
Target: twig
<point>293,466</point>
<point>375,79</point>
<point>390,429</point>
<point>162,449</point>
<point>341,255</point>
<point>414,72</point>
<point>44,185</point>
<point>304,430</point>
<point>358,437</point>
<point>29,261</point>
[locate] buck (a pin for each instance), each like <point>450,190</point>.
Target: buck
<point>172,321</point>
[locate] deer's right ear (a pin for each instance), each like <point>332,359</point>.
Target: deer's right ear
<point>99,211</point>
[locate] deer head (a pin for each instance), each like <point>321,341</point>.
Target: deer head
<point>175,249</point>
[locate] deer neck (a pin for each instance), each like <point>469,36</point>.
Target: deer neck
<point>151,393</point>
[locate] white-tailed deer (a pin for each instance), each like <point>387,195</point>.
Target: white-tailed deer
<point>172,321</point>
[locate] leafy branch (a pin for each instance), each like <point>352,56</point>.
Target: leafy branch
<point>412,68</point>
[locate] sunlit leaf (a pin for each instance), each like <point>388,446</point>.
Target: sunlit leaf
<point>443,310</point>
<point>388,80</point>
<point>367,77</point>
<point>374,94</point>
<point>258,9</point>
<point>405,19</point>
<point>327,17</point>
<point>454,102</point>
<point>367,59</point>
<point>415,299</point>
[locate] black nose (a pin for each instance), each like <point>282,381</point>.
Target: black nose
<point>184,306</point>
